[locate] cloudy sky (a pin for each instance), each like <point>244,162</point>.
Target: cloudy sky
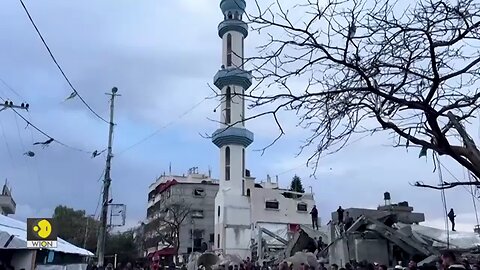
<point>162,56</point>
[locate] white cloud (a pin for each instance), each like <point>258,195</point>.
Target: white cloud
<point>24,211</point>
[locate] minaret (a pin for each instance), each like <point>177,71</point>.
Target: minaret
<point>232,220</point>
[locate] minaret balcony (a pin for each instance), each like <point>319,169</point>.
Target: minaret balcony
<point>232,25</point>
<point>233,76</point>
<point>232,136</point>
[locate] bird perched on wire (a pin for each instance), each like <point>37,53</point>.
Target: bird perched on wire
<point>96,153</point>
<point>45,143</point>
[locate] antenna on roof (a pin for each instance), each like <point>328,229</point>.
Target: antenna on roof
<point>209,172</point>
<point>170,168</point>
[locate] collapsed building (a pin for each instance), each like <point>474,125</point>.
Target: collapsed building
<point>386,235</point>
<point>392,233</point>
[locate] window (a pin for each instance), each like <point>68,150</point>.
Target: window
<point>243,162</point>
<point>197,214</point>
<point>212,238</point>
<point>227,163</point>
<point>218,240</point>
<point>243,55</point>
<point>228,105</point>
<point>230,15</point>
<point>196,234</point>
<point>218,211</point>
<point>243,110</point>
<point>248,192</point>
<point>302,207</point>
<point>272,204</point>
<point>199,192</point>
<point>243,187</point>
<point>229,50</point>
<point>236,16</point>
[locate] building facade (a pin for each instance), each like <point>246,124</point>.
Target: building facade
<point>191,197</point>
<point>7,204</point>
<point>277,209</point>
<point>241,205</point>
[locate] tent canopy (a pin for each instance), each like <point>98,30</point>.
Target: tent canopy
<point>10,226</point>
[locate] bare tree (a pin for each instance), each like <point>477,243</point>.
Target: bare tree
<point>369,66</point>
<point>167,224</point>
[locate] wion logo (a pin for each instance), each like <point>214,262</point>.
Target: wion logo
<point>41,233</point>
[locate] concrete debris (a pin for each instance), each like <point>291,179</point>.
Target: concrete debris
<point>301,241</point>
<point>210,261</point>
<point>300,258</point>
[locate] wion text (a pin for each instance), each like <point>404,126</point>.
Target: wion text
<point>41,244</point>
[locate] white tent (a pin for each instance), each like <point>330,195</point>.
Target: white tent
<point>10,226</point>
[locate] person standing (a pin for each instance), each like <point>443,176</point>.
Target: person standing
<point>340,212</point>
<point>314,214</point>
<point>348,221</point>
<point>320,244</point>
<point>451,215</point>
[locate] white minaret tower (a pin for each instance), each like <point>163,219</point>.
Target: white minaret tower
<point>232,206</point>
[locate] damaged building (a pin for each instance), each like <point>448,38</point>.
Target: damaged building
<point>392,233</point>
<point>386,235</point>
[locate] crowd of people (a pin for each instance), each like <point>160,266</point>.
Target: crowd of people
<point>447,261</point>
<point>127,266</point>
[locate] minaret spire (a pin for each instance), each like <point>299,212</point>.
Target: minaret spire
<point>232,224</point>
<point>232,137</point>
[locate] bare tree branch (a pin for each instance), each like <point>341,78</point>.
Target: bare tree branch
<point>447,185</point>
<point>170,215</point>
<point>359,66</point>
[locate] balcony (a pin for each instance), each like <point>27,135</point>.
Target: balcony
<point>232,135</point>
<point>7,204</point>
<point>233,76</point>
<point>232,25</point>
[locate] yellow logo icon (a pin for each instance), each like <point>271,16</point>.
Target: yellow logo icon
<point>43,228</point>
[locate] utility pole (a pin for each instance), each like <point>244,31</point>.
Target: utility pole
<point>102,234</point>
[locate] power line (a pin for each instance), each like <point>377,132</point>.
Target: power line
<point>29,123</point>
<point>6,143</point>
<point>11,89</point>
<point>58,65</point>
<point>162,128</point>
<point>99,196</point>
<point>306,163</point>
<point>458,180</point>
<point>27,163</point>
<point>473,199</point>
<point>444,199</point>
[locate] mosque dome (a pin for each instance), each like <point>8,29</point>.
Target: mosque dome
<point>232,5</point>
